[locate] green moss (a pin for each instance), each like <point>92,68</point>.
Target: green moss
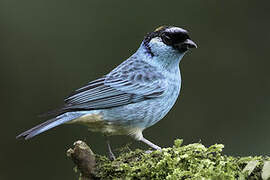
<point>193,161</point>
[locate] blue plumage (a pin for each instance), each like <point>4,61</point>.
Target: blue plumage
<point>135,95</point>
<point>61,119</point>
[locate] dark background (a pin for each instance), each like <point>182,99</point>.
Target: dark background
<point>49,48</point>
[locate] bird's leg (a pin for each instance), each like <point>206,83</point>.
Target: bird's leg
<point>152,145</point>
<point>111,155</point>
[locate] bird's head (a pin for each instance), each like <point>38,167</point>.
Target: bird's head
<point>168,41</point>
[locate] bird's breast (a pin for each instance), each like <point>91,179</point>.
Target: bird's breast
<point>161,106</point>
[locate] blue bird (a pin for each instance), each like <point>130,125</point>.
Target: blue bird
<point>133,96</point>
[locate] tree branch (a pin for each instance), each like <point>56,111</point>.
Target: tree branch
<point>193,161</point>
<point>84,159</point>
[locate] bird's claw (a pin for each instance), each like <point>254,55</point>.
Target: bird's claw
<point>111,156</point>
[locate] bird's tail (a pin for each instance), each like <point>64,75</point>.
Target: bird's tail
<point>49,124</point>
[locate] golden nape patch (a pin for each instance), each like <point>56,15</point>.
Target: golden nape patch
<point>159,28</point>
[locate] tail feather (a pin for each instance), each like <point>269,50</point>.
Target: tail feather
<point>48,125</point>
<point>26,133</point>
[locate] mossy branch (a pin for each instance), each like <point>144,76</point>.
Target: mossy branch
<point>193,161</point>
<point>84,159</point>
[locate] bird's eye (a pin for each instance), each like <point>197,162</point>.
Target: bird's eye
<point>181,37</point>
<point>174,38</point>
<point>166,39</point>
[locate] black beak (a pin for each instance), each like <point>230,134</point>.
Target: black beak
<point>189,43</point>
<point>186,45</point>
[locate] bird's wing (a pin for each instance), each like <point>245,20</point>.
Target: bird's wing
<point>131,82</point>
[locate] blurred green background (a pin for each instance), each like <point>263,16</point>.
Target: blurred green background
<point>49,48</point>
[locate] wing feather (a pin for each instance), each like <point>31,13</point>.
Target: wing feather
<point>132,81</point>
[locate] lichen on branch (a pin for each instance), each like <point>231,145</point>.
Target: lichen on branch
<point>193,161</point>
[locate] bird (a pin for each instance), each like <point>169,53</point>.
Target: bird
<point>133,96</point>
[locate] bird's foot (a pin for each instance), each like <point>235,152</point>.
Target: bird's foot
<point>111,156</point>
<point>148,151</point>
